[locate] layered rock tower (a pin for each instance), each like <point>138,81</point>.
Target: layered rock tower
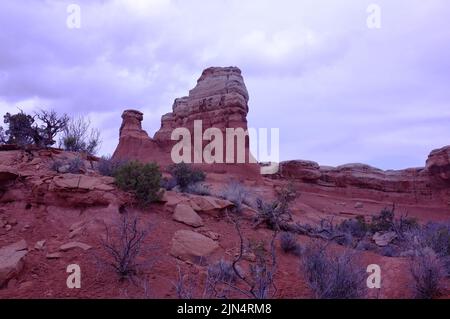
<point>219,100</point>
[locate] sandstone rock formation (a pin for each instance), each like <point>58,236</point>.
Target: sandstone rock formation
<point>219,100</point>
<point>185,214</point>
<point>425,184</point>
<point>11,261</point>
<point>191,246</point>
<point>438,166</point>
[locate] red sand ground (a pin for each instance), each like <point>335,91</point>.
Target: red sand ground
<point>44,278</point>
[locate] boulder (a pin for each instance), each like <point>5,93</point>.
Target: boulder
<point>11,261</point>
<point>209,203</point>
<point>185,214</point>
<point>191,246</point>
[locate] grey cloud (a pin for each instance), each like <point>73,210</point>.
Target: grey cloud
<point>338,91</point>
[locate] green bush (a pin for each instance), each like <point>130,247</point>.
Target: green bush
<point>141,179</point>
<point>185,175</point>
<point>384,221</point>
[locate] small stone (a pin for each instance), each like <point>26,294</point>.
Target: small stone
<point>40,245</point>
<point>53,256</point>
<point>359,205</point>
<point>76,232</point>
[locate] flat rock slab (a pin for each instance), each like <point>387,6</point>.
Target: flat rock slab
<point>83,182</point>
<point>185,214</point>
<point>191,246</point>
<point>11,261</point>
<point>74,245</point>
<point>209,203</point>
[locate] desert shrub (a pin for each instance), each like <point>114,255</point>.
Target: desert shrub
<point>39,130</point>
<point>427,271</point>
<point>142,179</point>
<point>366,245</point>
<point>333,276</point>
<point>107,166</point>
<point>168,183</point>
<point>236,193</point>
<point>355,227</point>
<point>262,273</point>
<point>57,166</point>
<point>386,221</point>
<point>73,166</point>
<point>123,244</point>
<point>270,214</point>
<point>198,189</point>
<point>437,237</point>
<point>358,229</point>
<point>185,285</point>
<point>222,271</point>
<point>405,224</point>
<point>186,175</point>
<point>288,243</point>
<point>76,165</point>
<point>276,214</point>
<point>389,251</point>
<point>78,136</point>
<point>433,235</point>
<point>383,221</point>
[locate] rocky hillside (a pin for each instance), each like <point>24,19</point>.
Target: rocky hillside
<point>57,209</point>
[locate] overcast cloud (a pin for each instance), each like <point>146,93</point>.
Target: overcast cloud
<point>339,91</point>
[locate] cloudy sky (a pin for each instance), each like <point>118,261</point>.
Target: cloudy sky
<point>339,91</point>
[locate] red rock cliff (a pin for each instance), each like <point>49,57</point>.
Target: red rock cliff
<point>220,100</point>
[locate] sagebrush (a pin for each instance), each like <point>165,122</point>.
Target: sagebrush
<point>142,179</point>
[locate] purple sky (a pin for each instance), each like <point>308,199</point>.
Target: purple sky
<point>339,91</point>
